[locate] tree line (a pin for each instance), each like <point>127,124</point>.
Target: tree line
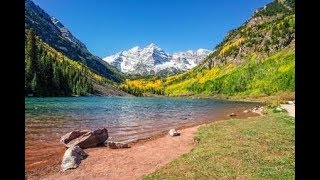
<point>45,75</point>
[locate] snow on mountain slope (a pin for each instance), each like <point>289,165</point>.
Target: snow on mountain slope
<point>153,60</point>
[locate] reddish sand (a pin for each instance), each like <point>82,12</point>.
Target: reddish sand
<point>131,163</point>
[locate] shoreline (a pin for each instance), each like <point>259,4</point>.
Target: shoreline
<point>54,170</point>
<point>254,99</point>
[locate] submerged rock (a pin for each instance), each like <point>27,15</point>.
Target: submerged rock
<point>117,145</point>
<point>173,132</point>
<point>72,158</point>
<point>89,139</point>
<point>65,139</point>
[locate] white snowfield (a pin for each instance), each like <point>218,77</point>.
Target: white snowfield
<point>152,59</point>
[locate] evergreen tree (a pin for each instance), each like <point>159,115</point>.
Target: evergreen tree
<point>34,83</point>
<point>49,74</point>
<point>31,52</point>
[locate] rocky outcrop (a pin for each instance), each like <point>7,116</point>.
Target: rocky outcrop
<point>72,158</point>
<point>117,145</point>
<point>256,20</point>
<point>87,140</point>
<point>173,132</point>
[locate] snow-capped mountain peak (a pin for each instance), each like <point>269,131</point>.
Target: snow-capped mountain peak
<point>152,45</point>
<point>134,49</point>
<point>153,60</point>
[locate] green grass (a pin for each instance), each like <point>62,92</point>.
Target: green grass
<point>253,148</point>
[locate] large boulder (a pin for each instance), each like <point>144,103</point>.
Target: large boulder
<point>65,139</point>
<point>89,139</point>
<point>72,158</point>
<point>173,132</point>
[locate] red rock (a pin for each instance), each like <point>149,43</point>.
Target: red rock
<point>65,139</point>
<point>90,139</point>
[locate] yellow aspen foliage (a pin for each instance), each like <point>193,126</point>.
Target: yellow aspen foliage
<point>280,25</point>
<point>209,74</point>
<point>228,46</point>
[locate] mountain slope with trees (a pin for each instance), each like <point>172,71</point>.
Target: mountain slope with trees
<point>256,59</point>
<point>50,73</point>
<point>51,31</point>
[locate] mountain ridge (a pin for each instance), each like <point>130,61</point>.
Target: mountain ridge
<point>53,32</point>
<point>152,60</point>
<point>59,64</point>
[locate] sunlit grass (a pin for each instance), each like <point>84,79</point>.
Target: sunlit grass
<point>254,148</point>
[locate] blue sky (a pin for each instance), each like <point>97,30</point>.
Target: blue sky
<point>109,26</point>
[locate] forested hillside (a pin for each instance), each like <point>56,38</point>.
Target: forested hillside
<point>56,35</point>
<point>50,73</point>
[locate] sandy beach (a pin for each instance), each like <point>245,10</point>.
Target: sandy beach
<point>131,163</point>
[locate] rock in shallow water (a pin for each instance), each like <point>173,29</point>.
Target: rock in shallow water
<point>88,139</point>
<point>72,158</point>
<point>91,139</point>
<point>173,132</point>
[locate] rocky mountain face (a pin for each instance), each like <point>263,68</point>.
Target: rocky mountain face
<point>66,33</point>
<point>152,60</point>
<point>53,32</point>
